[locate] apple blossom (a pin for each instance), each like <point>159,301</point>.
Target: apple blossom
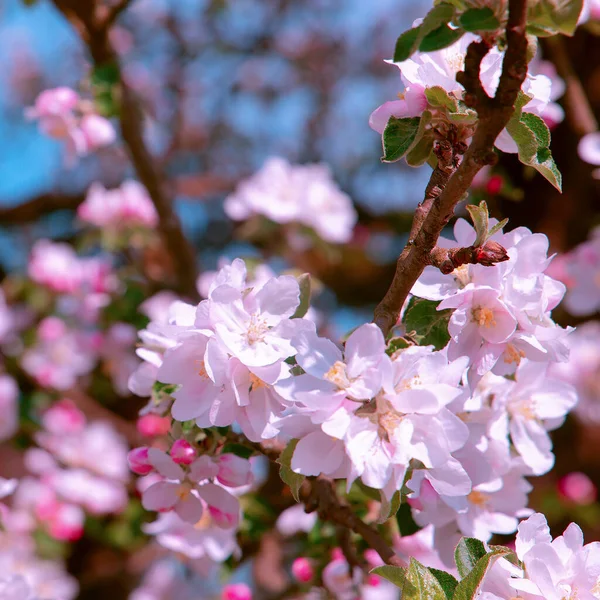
<point>577,488</point>
<point>304,194</point>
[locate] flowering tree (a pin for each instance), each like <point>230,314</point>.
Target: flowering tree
<point>273,459</point>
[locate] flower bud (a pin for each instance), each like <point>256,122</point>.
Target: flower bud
<point>138,461</point>
<point>302,570</point>
<point>577,488</point>
<point>494,185</point>
<point>182,452</point>
<point>236,591</point>
<point>490,253</point>
<point>152,425</point>
<point>234,471</point>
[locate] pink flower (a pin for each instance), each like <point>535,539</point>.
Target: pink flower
<point>153,425</point>
<point>302,570</point>
<point>577,488</point>
<point>63,417</point>
<point>139,461</point>
<point>234,471</point>
<point>126,207</point>
<point>236,591</point>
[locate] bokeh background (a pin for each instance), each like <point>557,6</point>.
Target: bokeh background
<point>227,84</point>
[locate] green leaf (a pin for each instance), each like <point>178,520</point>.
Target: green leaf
<point>532,137</point>
<point>105,80</point>
<point>439,38</point>
<point>420,584</point>
<point>305,291</point>
<point>468,587</point>
<point>480,217</point>
<point>293,480</point>
<point>447,582</point>
<point>406,44</point>
<point>497,227</point>
<point>548,17</point>
<point>405,520</point>
<point>479,19</point>
<point>439,97</point>
<point>422,146</point>
<point>395,344</point>
<point>410,40</point>
<point>396,575</point>
<point>388,507</point>
<point>398,136</point>
<point>430,325</point>
<point>468,552</point>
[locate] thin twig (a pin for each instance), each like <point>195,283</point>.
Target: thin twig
<point>93,32</point>
<point>577,106</point>
<point>32,210</point>
<point>494,114</point>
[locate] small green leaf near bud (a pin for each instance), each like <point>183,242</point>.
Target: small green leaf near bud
<point>479,19</point>
<point>398,137</point>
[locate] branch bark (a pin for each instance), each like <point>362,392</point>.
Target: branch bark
<point>494,114</point>
<point>94,32</point>
<point>30,211</point>
<point>577,106</point>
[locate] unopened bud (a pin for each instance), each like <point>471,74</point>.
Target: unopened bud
<point>490,253</point>
<point>236,591</point>
<point>577,488</point>
<point>494,185</point>
<point>182,452</point>
<point>138,461</point>
<point>152,425</point>
<point>302,570</point>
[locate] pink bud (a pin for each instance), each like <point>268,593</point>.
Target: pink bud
<point>236,591</point>
<point>182,452</point>
<point>373,580</point>
<point>152,425</point>
<point>234,471</point>
<point>337,554</point>
<point>577,488</point>
<point>491,253</point>
<point>302,570</point>
<point>138,461</point>
<point>67,524</point>
<point>494,185</point>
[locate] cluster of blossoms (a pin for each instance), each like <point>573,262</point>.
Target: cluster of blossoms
<point>23,574</point>
<point>423,71</point>
<point>124,208</point>
<point>304,194</point>
<point>548,568</point>
<point>80,468</point>
<point>69,344</point>
<point>64,115</point>
<point>447,423</point>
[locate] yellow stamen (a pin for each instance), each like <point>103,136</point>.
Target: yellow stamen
<point>484,317</point>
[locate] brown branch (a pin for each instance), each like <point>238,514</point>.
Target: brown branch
<point>577,106</point>
<point>319,495</point>
<point>494,114</point>
<point>30,211</point>
<point>95,35</point>
<point>448,259</point>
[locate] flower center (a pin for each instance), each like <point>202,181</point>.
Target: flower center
<point>337,375</point>
<point>484,317</point>
<point>478,498</point>
<point>524,408</point>
<point>256,330</point>
<point>201,368</point>
<point>513,355</point>
<point>183,491</point>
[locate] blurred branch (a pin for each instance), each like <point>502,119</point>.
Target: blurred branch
<point>494,114</point>
<point>33,209</point>
<point>83,16</point>
<point>577,107</point>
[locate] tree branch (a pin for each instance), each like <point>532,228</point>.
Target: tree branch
<point>30,211</point>
<point>494,114</point>
<point>577,106</point>
<point>95,34</point>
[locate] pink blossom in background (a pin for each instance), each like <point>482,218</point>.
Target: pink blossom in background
<point>288,193</point>
<point>577,488</point>
<point>236,591</point>
<point>63,115</point>
<point>152,425</point>
<point>582,371</point>
<point>125,207</point>
<point>302,569</point>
